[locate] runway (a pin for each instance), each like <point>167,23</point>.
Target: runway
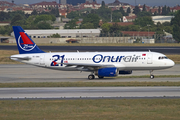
<point>28,73</point>
<point>164,50</point>
<point>89,92</point>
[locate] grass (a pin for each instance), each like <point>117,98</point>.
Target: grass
<point>98,109</point>
<point>5,54</point>
<point>87,84</point>
<point>4,57</point>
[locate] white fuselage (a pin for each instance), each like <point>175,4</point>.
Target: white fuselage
<point>120,60</point>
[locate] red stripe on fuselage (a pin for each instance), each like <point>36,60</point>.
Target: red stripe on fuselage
<point>25,38</point>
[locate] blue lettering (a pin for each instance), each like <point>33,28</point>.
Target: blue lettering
<point>112,60</point>
<point>106,57</point>
<point>100,58</point>
<point>94,58</point>
<point>54,63</point>
<point>120,58</point>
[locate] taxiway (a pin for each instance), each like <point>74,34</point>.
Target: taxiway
<point>27,73</point>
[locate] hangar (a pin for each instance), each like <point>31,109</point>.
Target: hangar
<point>162,19</point>
<point>65,33</point>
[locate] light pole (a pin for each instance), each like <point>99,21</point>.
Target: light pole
<point>148,30</point>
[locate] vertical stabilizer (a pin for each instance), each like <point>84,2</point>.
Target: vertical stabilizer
<point>25,44</point>
<point>124,19</point>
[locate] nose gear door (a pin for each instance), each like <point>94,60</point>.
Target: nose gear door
<point>149,58</point>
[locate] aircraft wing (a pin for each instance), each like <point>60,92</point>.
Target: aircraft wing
<point>88,65</point>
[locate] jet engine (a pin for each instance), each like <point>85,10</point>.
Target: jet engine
<point>125,72</point>
<point>107,72</point>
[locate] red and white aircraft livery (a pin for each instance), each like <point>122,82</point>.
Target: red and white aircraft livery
<point>102,64</point>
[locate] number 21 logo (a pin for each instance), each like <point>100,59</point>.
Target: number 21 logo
<point>57,57</point>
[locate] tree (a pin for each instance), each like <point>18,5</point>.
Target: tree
<point>104,14</point>
<point>155,13</point>
<point>168,10</point>
<point>71,25</point>
<point>116,16</point>
<point>4,16</point>
<point>44,18</point>
<point>34,12</point>
<point>144,21</point>
<point>115,29</point>
<point>92,18</point>
<point>17,20</point>
<point>55,12</point>
<point>87,26</point>
<point>74,14</point>
<point>103,5</point>
<point>106,28</point>
<point>128,10</point>
<point>55,35</point>
<point>176,26</point>
<point>136,10</point>
<point>44,25</point>
<point>159,10</point>
<point>164,10</point>
<point>122,11</point>
<point>144,13</point>
<point>144,8</point>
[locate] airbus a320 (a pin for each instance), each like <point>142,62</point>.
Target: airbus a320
<point>101,64</point>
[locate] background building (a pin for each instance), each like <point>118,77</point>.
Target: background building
<point>75,2</point>
<point>63,2</point>
<point>90,1</point>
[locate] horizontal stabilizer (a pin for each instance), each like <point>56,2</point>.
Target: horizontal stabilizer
<point>20,57</point>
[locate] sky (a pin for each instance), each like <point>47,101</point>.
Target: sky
<point>132,2</point>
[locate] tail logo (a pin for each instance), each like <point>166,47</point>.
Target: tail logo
<point>25,42</point>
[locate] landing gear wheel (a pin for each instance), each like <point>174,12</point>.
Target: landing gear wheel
<point>90,77</point>
<point>100,77</point>
<point>152,76</point>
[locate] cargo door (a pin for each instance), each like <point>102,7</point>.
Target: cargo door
<point>42,59</point>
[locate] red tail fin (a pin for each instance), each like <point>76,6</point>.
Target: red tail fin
<point>25,38</point>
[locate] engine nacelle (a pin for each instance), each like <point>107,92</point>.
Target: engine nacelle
<point>107,72</point>
<point>125,72</point>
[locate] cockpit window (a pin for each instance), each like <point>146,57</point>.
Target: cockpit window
<point>163,57</point>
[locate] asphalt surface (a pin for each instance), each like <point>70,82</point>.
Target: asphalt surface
<point>28,73</point>
<point>89,92</point>
<point>164,50</point>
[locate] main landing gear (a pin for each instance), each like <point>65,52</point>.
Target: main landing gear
<point>90,77</point>
<point>151,74</point>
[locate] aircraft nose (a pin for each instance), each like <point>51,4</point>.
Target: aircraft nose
<point>171,63</point>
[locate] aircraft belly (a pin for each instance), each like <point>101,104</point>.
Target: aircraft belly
<point>147,68</point>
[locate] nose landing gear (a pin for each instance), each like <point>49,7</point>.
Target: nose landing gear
<point>151,74</point>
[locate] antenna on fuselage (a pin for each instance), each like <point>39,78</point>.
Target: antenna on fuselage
<point>78,51</point>
<point>149,51</point>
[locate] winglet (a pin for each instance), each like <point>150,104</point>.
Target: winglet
<point>25,44</point>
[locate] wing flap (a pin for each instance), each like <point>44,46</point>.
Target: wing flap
<point>86,65</point>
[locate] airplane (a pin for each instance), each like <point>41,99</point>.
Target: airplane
<point>125,19</point>
<point>101,64</point>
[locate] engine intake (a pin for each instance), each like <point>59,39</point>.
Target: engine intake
<point>107,72</point>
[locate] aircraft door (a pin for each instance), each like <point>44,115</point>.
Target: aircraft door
<point>149,58</point>
<point>42,60</point>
